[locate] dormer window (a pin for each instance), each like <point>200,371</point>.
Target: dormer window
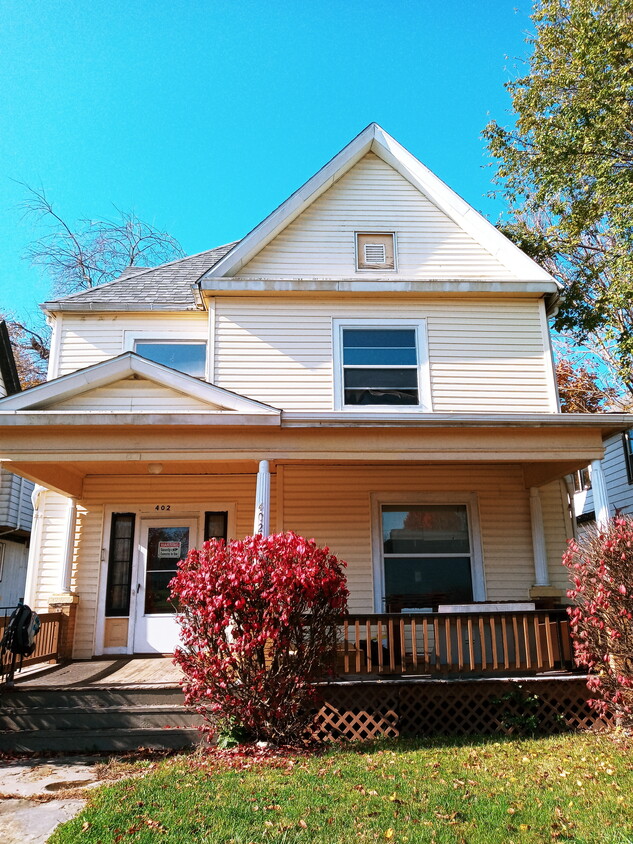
<point>375,251</point>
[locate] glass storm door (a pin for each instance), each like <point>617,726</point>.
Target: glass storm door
<point>163,544</point>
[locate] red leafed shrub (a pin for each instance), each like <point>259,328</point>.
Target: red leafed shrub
<point>601,570</point>
<point>258,621</point>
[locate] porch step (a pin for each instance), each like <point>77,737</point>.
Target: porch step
<point>84,719</point>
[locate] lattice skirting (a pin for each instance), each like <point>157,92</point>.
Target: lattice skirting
<point>367,710</point>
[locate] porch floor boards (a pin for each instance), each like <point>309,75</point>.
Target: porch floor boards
<point>123,673</point>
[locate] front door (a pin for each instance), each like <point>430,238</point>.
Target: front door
<point>163,544</point>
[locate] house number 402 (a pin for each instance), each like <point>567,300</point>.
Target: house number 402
<point>163,507</point>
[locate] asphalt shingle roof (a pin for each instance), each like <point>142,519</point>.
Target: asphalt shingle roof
<point>166,287</point>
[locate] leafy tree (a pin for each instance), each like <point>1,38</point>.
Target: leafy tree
<point>566,168</point>
<point>259,620</point>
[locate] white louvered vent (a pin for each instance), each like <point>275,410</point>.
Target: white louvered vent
<point>374,253</point>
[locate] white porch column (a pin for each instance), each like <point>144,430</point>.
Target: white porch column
<point>538,539</point>
<point>600,494</point>
<point>69,546</point>
<point>262,499</point>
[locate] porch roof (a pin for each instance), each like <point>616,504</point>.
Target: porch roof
<point>60,448</point>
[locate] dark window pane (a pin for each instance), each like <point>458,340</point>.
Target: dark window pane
<point>425,529</point>
<point>375,396</point>
<point>378,337</point>
<point>120,564</point>
<point>381,378</point>
<point>380,357</point>
<point>157,592</point>
<point>427,581</point>
<point>215,525</point>
<point>185,357</point>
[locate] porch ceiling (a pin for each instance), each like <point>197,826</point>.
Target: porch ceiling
<point>60,456</point>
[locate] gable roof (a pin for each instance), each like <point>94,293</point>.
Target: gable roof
<point>166,287</point>
<point>125,365</point>
<point>9,378</point>
<point>375,139</point>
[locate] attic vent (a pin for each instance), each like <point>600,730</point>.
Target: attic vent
<point>374,253</point>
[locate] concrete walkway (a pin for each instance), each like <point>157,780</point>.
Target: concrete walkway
<point>28,818</point>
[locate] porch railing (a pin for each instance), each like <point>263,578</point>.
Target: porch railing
<point>47,641</point>
<point>474,643</point>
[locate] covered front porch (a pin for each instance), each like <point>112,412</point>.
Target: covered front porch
<point>452,527</point>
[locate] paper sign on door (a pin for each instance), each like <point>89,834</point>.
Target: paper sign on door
<point>169,550</point>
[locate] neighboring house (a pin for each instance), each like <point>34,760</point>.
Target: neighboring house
<point>370,366</point>
<point>606,487</point>
<point>16,509</point>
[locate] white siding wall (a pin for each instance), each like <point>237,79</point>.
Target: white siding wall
<point>372,196</point>
<point>132,394</point>
<point>618,487</point>
<point>16,509</point>
<point>485,355</point>
<point>86,339</point>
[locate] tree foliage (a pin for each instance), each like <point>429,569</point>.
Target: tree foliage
<point>600,565</point>
<point>258,626</point>
<point>94,251</point>
<point>566,168</point>
<point>580,390</point>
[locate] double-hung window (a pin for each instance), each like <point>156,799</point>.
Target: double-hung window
<point>381,363</point>
<point>427,552</point>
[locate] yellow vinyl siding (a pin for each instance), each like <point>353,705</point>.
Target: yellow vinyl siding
<point>557,525</point>
<point>53,513</point>
<point>134,394</point>
<point>333,505</point>
<point>485,354</point>
<point>370,197</point>
<point>87,339</point>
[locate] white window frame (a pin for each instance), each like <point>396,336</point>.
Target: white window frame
<point>130,339</point>
<point>377,268</point>
<point>470,500</point>
<point>424,375</point>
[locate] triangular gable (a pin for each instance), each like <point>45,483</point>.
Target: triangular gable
<point>130,382</point>
<point>478,237</point>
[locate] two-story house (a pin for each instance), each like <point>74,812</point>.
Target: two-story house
<point>370,366</point>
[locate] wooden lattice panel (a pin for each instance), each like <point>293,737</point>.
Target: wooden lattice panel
<point>366,710</point>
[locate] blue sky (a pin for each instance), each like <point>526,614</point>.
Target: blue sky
<point>204,116</point>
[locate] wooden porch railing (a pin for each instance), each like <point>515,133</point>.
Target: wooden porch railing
<point>47,640</point>
<point>478,643</point>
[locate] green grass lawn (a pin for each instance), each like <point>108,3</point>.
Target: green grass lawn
<point>569,788</point>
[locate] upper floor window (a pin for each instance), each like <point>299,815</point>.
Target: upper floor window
<point>627,442</point>
<point>185,356</point>
<point>380,363</point>
<point>375,251</point>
